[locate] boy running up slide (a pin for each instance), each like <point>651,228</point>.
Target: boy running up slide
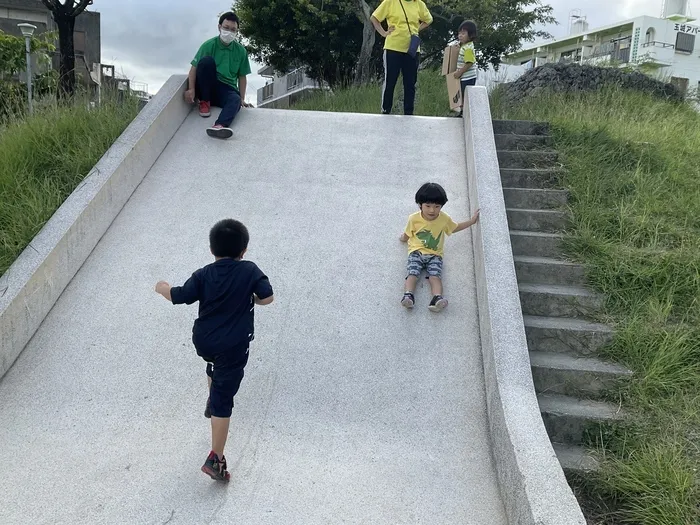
<point>227,291</point>
<point>425,234</point>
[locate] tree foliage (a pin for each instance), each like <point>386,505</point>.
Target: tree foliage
<point>13,60</point>
<point>326,36</point>
<point>503,26</point>
<point>13,52</point>
<point>323,36</point>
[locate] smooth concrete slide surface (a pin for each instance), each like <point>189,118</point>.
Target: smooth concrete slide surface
<point>353,410</point>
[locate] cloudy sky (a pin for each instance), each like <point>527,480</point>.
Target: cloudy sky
<point>149,41</point>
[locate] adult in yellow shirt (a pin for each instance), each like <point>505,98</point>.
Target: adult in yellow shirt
<point>404,18</point>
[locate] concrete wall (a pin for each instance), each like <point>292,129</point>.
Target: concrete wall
<point>532,483</point>
<point>31,286</point>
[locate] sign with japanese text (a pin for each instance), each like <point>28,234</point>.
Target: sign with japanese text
<point>684,28</point>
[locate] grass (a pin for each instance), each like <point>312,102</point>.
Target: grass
<point>42,160</point>
<point>632,171</point>
<point>367,99</point>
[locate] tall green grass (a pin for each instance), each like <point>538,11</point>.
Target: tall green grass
<point>431,98</point>
<point>44,157</point>
<point>633,173</point>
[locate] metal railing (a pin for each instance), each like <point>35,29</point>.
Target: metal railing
<point>268,90</point>
<point>655,43</point>
<point>295,79</point>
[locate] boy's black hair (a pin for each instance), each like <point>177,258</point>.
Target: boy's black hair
<point>230,16</point>
<point>228,238</point>
<point>470,27</point>
<point>431,193</point>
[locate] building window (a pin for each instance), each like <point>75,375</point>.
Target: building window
<point>685,43</point>
<point>650,36</point>
<point>79,42</point>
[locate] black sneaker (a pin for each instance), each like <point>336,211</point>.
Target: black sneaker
<point>408,300</point>
<point>207,410</point>
<point>438,303</point>
<point>220,132</point>
<point>215,468</point>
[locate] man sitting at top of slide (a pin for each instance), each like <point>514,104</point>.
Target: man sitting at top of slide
<point>218,76</point>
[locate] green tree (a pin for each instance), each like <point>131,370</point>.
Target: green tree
<point>321,35</point>
<point>64,14</point>
<point>334,40</point>
<point>503,27</point>
<point>13,57</point>
<point>13,95</point>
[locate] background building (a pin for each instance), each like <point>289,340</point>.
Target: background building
<point>665,46</point>
<point>282,91</point>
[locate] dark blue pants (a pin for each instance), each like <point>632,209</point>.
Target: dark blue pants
<point>464,83</point>
<point>396,63</point>
<point>209,88</point>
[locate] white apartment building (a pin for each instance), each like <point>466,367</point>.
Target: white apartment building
<point>281,91</point>
<point>664,47</point>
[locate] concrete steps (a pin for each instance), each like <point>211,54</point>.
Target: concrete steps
<point>569,419</point>
<point>535,159</point>
<point>544,221</point>
<point>531,178</point>
<point>570,375</point>
<point>535,244</point>
<point>521,142</point>
<point>520,127</point>
<point>550,300</point>
<point>556,305</point>
<point>547,270</point>
<point>535,198</point>
<point>574,459</point>
<point>565,335</point>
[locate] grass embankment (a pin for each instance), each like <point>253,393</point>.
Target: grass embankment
<point>634,177</point>
<point>635,186</point>
<point>42,160</point>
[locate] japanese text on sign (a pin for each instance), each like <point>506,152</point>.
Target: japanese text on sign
<point>683,28</point>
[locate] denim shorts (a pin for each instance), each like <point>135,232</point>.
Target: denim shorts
<point>418,262</point>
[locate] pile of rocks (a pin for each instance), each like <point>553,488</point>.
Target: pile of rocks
<point>576,77</point>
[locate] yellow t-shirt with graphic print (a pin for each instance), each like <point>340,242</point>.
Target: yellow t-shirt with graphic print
<point>426,236</point>
<point>391,11</point>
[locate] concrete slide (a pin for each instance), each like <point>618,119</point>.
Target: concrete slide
<point>353,410</point>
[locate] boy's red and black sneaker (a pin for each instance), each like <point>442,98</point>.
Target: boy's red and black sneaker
<point>215,468</point>
<point>204,108</point>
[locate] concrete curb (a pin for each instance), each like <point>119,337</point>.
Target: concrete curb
<point>533,486</point>
<point>34,282</point>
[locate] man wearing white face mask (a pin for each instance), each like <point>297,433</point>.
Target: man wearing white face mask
<point>218,76</point>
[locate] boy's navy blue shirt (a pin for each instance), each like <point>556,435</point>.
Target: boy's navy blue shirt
<point>225,291</point>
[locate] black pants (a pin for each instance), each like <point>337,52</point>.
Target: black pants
<point>210,89</point>
<point>396,62</point>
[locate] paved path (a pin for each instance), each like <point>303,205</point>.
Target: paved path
<point>352,410</point>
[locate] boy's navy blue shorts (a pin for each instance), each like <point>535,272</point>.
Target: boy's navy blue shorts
<point>226,372</point>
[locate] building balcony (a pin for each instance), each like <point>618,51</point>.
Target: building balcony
<point>285,89</point>
<point>660,54</point>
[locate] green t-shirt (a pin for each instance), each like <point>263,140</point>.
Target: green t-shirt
<point>231,60</point>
